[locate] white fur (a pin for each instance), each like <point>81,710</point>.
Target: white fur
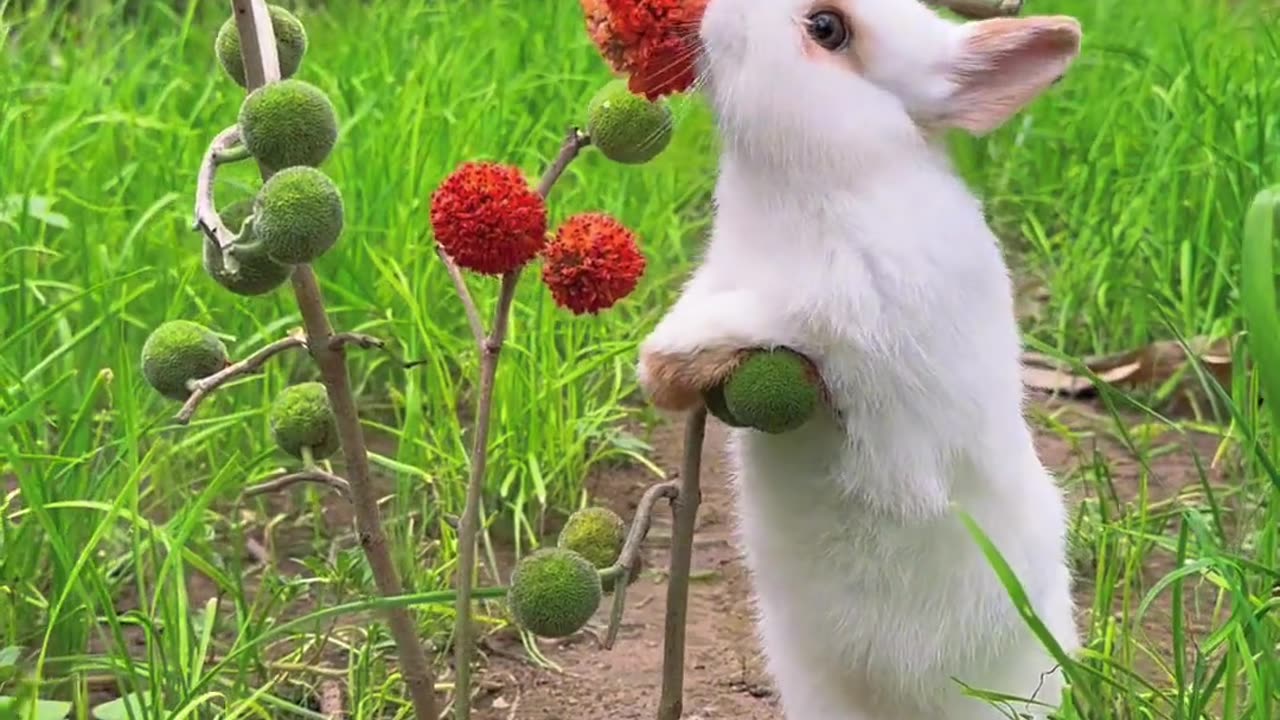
<point>842,232</point>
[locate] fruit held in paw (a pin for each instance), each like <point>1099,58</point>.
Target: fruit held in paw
<point>178,352</point>
<point>554,592</point>
<point>301,417</point>
<point>716,405</point>
<point>288,123</point>
<point>256,273</point>
<point>773,391</point>
<point>626,127</point>
<point>298,215</point>
<point>291,44</point>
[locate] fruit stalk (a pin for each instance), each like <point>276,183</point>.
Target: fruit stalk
<point>631,551</point>
<point>685,511</point>
<point>490,348</point>
<point>202,388</point>
<point>262,65</point>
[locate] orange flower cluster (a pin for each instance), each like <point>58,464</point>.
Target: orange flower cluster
<point>653,42</point>
<point>487,218</point>
<point>592,263</point>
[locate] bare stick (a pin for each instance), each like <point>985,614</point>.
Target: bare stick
<point>350,339</point>
<point>980,9</point>
<point>206,213</point>
<point>620,571</point>
<point>685,510</point>
<point>200,389</point>
<point>258,50</point>
<point>490,348</point>
<point>468,302</point>
<point>315,475</point>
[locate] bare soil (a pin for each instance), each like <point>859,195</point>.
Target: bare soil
<point>725,677</point>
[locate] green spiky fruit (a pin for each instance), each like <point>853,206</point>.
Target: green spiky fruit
<point>301,417</point>
<point>291,44</point>
<point>554,592</point>
<point>298,215</point>
<point>715,401</point>
<point>627,128</point>
<point>177,352</point>
<point>288,123</point>
<point>595,533</point>
<point>257,273</point>
<point>774,391</point>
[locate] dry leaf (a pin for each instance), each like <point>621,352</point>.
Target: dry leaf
<point>1148,366</point>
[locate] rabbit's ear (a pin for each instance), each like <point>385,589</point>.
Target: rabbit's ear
<point>1001,65</point>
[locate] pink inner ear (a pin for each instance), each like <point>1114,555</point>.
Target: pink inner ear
<point>1004,65</point>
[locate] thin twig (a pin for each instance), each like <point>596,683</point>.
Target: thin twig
<point>468,302</point>
<point>980,9</point>
<point>261,63</point>
<point>315,475</point>
<point>202,388</point>
<point>685,510</point>
<point>490,349</point>
<point>351,339</point>
<point>621,569</point>
<point>207,219</point>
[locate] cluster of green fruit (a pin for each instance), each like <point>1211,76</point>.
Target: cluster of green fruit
<point>555,591</point>
<point>290,128</point>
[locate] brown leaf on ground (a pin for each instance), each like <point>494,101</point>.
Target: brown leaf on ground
<point>1145,367</point>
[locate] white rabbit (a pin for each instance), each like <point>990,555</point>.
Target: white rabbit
<point>841,231</point>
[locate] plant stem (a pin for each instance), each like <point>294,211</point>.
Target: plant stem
<point>258,50</point>
<point>490,349</point>
<point>200,389</point>
<point>685,510</point>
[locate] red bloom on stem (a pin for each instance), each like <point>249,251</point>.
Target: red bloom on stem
<point>592,263</point>
<point>487,218</point>
<point>654,42</point>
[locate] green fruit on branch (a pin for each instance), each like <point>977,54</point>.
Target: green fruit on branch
<point>291,44</point>
<point>298,215</point>
<point>554,592</point>
<point>255,272</point>
<point>301,417</point>
<point>626,127</point>
<point>774,391</point>
<point>288,123</point>
<point>595,533</point>
<point>177,352</point>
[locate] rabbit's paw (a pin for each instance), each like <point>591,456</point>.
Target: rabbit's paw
<point>676,380</point>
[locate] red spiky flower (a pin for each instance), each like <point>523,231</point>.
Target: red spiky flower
<point>653,42</point>
<point>592,263</point>
<point>488,219</point>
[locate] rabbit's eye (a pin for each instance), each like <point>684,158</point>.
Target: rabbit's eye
<point>828,29</point>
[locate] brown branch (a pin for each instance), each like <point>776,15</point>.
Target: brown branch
<point>202,388</point>
<point>980,9</point>
<point>258,50</point>
<point>621,568</point>
<point>468,302</point>
<point>207,219</point>
<point>685,510</point>
<point>315,475</point>
<point>490,348</point>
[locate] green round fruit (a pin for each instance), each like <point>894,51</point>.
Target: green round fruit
<point>301,417</point>
<point>288,123</point>
<point>178,352</point>
<point>257,273</point>
<point>554,592</point>
<point>291,44</point>
<point>714,399</point>
<point>626,127</point>
<point>595,533</point>
<point>773,391</point>
<point>298,215</point>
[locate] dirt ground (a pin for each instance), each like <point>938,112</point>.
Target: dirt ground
<point>725,677</point>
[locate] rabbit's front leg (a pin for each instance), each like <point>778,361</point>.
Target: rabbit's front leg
<point>701,340</point>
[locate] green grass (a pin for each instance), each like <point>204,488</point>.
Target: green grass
<point>1124,191</point>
